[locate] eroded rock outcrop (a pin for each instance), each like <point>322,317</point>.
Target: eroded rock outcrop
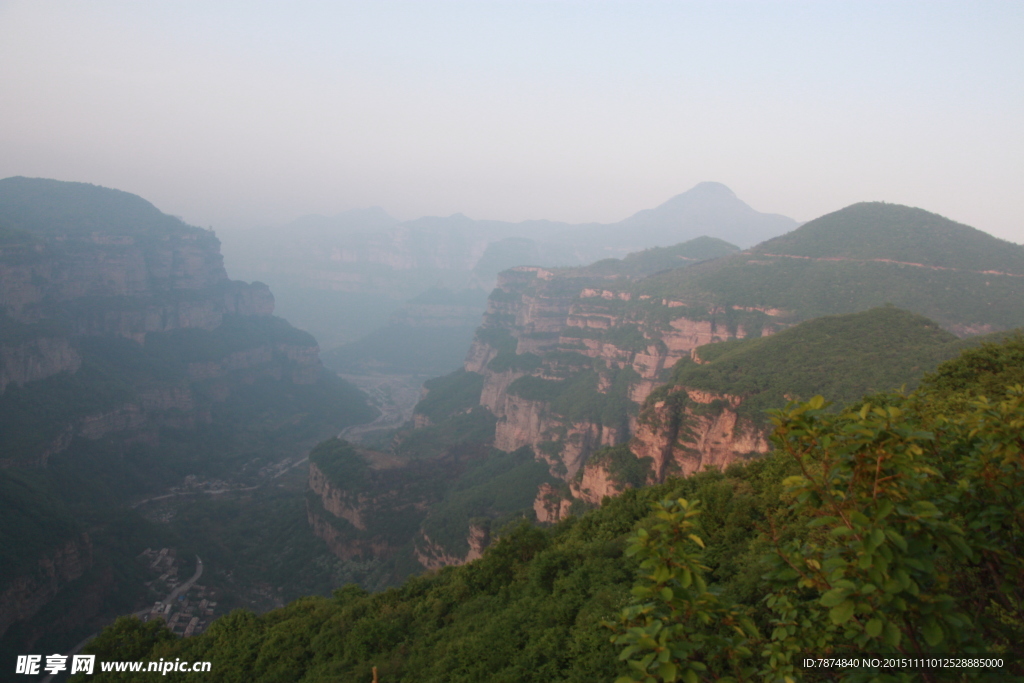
<point>551,505</point>
<point>552,341</point>
<point>432,556</point>
<point>694,429</point>
<point>86,268</point>
<point>36,359</point>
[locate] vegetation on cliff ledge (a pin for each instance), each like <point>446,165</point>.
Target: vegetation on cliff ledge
<point>893,527</point>
<point>839,357</point>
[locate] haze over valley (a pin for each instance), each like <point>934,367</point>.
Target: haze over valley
<point>511,341</point>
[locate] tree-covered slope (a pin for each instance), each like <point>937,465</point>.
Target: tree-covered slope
<point>928,567</point>
<point>839,357</point>
<point>863,256</point>
<point>649,261</point>
<point>132,368</point>
<point>52,207</point>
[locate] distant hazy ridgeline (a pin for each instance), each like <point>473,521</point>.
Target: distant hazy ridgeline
<point>357,278</point>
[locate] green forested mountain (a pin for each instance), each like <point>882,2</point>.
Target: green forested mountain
<point>649,261</point>
<point>52,207</point>
<point>132,368</point>
<point>863,256</point>
<point>891,528</point>
<point>839,357</point>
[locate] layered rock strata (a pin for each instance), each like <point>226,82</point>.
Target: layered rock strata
<point>566,326</point>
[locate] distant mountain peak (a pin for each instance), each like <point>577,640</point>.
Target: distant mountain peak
<point>710,188</point>
<point>708,208</point>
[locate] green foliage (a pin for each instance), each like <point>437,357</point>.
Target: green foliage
<point>902,536</point>
<point>892,527</point>
<point>530,610</point>
<point>48,207</point>
<point>623,466</point>
<point>474,427</point>
<point>984,371</point>
<point>494,489</point>
<point>454,393</point>
<point>650,261</point>
<point>627,337</point>
<point>497,338</point>
<point>517,362</point>
<point>859,249</point>
<point>676,628</point>
<point>841,357</point>
<point>341,463</point>
<point>918,530</point>
<point>128,639</point>
<point>33,519</point>
<point>900,233</point>
<point>577,398</point>
<point>236,333</point>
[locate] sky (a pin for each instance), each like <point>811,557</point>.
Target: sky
<point>239,114</point>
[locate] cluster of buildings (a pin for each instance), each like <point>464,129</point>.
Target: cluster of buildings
<point>189,607</point>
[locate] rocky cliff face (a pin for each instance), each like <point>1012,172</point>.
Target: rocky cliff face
<point>358,523</point>
<point>367,505</point>
<point>432,556</point>
<point>550,505</point>
<point>692,430</point>
<point>28,593</point>
<point>35,359</point>
<point>547,334</point>
<point>118,322</point>
<point>103,283</point>
<point>109,266</point>
<point>569,361</point>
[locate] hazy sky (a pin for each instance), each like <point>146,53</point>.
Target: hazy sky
<point>235,114</point>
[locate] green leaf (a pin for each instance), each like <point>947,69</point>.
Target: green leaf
<point>874,627</point>
<point>900,542</point>
<point>932,632</point>
<point>891,635</point>
<point>834,597</point>
<point>841,613</point>
<point>668,671</point>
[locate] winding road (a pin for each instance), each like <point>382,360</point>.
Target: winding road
<point>183,588</point>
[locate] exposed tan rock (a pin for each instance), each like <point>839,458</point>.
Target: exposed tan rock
<point>478,356</point>
<point>433,557</point>
<point>684,442</point>
<point>595,484</point>
<point>494,395</point>
<point>550,506</point>
<point>342,504</point>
